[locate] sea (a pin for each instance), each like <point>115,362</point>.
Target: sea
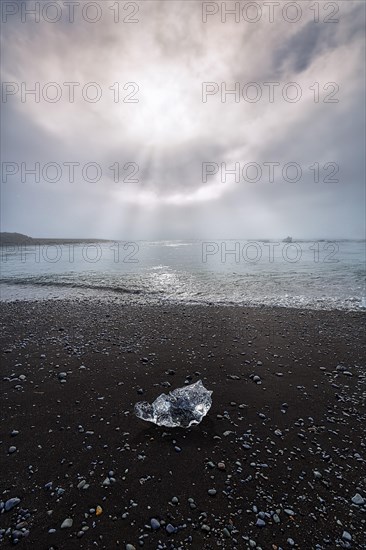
<point>327,275</point>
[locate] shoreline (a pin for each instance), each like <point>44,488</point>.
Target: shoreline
<point>136,298</point>
<point>291,443</point>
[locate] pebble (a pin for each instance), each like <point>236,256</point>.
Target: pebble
<point>155,524</point>
<point>260,523</point>
<point>357,499</point>
<point>12,449</point>
<point>212,492</point>
<point>9,504</point>
<point>130,547</point>
<point>170,529</point>
<point>276,518</point>
<point>346,536</point>
<point>67,523</point>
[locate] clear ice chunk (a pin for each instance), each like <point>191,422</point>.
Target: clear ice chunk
<point>181,408</point>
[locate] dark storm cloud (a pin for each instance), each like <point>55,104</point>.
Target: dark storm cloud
<point>299,51</point>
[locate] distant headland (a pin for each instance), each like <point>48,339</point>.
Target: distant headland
<point>20,239</point>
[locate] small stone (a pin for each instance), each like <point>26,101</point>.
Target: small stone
<point>12,449</point>
<point>205,528</point>
<point>170,529</point>
<point>212,492</point>
<point>291,542</point>
<point>260,523</point>
<point>276,518</point>
<point>98,511</point>
<point>221,465</point>
<point>130,547</point>
<point>67,523</point>
<point>62,375</point>
<point>155,524</point>
<point>9,504</point>
<point>175,500</point>
<point>289,512</point>
<point>346,536</point>
<point>358,500</point>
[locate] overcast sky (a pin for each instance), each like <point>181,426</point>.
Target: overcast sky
<point>161,132</point>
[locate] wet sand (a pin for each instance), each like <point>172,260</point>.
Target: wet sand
<point>285,453</point>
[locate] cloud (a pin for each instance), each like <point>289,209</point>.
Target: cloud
<point>170,132</point>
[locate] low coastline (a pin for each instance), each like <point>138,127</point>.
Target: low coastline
<point>291,443</point>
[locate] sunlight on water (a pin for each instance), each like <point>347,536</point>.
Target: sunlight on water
<point>306,274</point>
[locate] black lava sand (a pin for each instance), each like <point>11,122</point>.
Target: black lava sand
<point>278,462</point>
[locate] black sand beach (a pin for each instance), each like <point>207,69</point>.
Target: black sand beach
<point>286,456</point>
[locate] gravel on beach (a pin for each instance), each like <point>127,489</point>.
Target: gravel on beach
<point>279,462</point>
